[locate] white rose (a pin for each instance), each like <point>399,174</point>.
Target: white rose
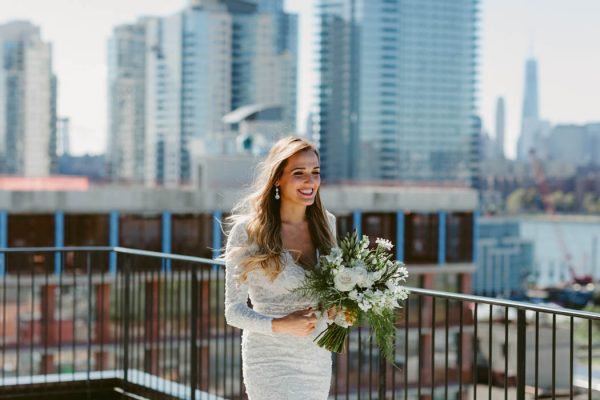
<point>369,281</point>
<point>362,275</point>
<point>344,280</point>
<point>378,274</point>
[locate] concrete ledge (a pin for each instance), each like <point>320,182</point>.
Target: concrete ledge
<point>338,199</point>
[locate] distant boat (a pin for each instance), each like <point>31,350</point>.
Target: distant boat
<point>575,296</point>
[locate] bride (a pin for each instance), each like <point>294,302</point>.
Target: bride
<point>277,233</point>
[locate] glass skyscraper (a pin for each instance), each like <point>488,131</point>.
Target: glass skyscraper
<point>396,95</point>
<point>530,118</point>
<point>196,66</point>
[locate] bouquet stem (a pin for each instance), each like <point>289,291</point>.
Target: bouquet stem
<point>333,338</point>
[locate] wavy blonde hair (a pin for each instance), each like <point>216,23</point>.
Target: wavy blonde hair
<point>260,212</point>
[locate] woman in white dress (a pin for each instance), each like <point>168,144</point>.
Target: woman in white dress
<point>277,234</point>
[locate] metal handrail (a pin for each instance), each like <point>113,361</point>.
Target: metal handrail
<point>519,305</point>
<point>428,292</point>
<point>116,249</point>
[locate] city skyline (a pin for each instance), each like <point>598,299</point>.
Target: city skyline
<point>509,29</point>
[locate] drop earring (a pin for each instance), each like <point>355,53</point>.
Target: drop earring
<point>277,197</point>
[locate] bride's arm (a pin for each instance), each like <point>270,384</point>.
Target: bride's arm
<point>237,312</point>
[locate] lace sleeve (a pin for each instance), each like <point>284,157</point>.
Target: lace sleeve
<point>237,312</point>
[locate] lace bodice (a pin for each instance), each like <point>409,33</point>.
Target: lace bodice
<point>270,299</point>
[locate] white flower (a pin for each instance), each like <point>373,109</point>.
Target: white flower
<point>365,305</point>
<point>340,319</point>
<point>335,256</point>
<point>401,274</point>
<point>378,274</point>
<point>344,279</point>
<point>362,275</point>
<point>355,295</point>
<point>368,283</point>
<point>365,241</point>
<point>386,244</point>
<point>391,285</point>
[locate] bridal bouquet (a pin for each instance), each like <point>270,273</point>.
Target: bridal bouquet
<point>358,284</point>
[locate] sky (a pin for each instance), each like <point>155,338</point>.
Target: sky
<point>563,35</point>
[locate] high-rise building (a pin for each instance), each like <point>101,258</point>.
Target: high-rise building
<point>126,105</point>
<point>396,90</point>
<point>530,118</point>
<point>193,68</point>
<point>506,259</point>
<point>63,133</point>
<point>575,144</point>
<point>500,127</point>
<point>27,102</point>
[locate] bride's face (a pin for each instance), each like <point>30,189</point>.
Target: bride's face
<point>300,179</point>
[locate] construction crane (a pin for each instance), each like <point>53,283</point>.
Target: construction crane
<point>542,186</point>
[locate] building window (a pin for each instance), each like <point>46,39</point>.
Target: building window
<point>86,230</point>
<point>31,230</point>
<point>192,235</point>
<point>141,232</point>
<point>382,225</point>
<point>421,238</point>
<point>459,237</point>
<point>344,225</point>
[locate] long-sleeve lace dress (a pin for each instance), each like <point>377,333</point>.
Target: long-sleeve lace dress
<point>276,366</point>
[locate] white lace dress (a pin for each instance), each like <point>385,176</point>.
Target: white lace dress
<point>276,366</point>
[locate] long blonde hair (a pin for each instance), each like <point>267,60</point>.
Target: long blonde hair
<point>259,210</point>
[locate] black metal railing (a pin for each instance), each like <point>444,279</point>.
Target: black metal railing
<point>153,324</point>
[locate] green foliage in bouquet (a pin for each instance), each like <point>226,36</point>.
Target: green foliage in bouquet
<point>363,286</point>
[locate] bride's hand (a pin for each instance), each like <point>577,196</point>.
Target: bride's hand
<point>298,323</point>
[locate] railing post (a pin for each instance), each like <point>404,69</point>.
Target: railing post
<point>88,263</point>
<point>521,349</point>
<point>194,343</point>
<point>382,374</point>
<point>125,313</point>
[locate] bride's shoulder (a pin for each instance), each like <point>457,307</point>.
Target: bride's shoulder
<point>237,232</point>
<point>331,221</point>
<point>330,216</point>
